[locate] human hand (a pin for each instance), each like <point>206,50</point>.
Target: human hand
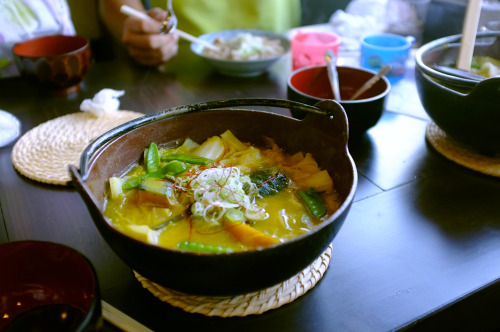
<point>144,41</point>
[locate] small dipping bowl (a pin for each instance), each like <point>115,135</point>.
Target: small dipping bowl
<point>386,49</point>
<point>308,48</point>
<point>46,286</point>
<point>310,85</point>
<point>56,64</point>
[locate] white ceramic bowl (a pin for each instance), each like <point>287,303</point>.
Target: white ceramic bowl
<point>241,68</point>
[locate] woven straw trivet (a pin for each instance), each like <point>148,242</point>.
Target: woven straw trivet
<point>459,154</point>
<point>44,153</point>
<point>253,303</point>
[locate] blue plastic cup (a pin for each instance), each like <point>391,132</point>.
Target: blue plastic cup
<point>381,49</point>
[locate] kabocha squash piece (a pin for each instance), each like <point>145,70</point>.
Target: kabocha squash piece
<point>246,234</point>
<point>155,192</point>
<point>249,236</point>
<point>156,186</point>
<point>148,198</point>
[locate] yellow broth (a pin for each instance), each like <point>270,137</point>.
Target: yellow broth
<point>281,216</point>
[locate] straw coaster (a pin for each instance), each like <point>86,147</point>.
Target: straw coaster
<point>253,303</point>
<point>44,153</point>
<point>459,154</point>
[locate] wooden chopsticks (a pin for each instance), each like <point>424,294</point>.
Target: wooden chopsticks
<point>121,320</point>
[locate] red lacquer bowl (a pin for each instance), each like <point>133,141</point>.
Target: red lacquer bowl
<point>310,85</point>
<point>56,64</point>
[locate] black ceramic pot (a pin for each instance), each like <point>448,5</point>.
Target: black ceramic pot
<point>466,110</point>
<point>323,132</point>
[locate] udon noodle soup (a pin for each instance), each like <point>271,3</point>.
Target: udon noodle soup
<point>222,195</point>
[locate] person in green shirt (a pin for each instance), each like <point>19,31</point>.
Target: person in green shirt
<point>148,47</point>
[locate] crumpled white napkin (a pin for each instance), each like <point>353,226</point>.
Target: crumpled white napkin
<point>360,18</point>
<point>105,101</point>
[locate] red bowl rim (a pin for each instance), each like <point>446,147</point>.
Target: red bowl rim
<point>50,46</point>
<point>357,101</point>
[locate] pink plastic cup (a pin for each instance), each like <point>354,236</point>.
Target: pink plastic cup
<point>308,48</point>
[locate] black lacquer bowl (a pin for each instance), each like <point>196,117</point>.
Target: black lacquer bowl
<point>323,132</point>
<point>46,286</point>
<point>309,85</point>
<point>466,110</point>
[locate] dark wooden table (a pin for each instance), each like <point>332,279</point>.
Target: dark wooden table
<point>419,251</point>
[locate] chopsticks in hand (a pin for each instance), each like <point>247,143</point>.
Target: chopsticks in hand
<point>138,14</point>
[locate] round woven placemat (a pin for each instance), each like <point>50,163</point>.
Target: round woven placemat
<point>44,153</point>
<point>460,154</point>
<point>253,303</point>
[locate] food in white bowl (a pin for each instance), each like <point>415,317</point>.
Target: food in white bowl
<point>245,46</point>
<point>245,52</point>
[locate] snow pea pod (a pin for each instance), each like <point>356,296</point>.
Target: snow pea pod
<point>173,168</point>
<point>135,182</point>
<point>313,201</point>
<point>200,247</point>
<point>152,158</point>
<point>187,158</point>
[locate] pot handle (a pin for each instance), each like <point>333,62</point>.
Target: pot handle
<point>324,108</point>
<point>79,184</point>
<point>487,90</point>
<point>238,102</point>
<point>337,119</point>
